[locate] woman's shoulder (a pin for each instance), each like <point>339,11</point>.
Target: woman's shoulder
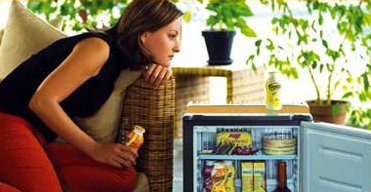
<point>71,41</point>
<point>101,35</point>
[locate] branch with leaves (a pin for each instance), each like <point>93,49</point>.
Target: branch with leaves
<point>229,15</point>
<point>313,51</point>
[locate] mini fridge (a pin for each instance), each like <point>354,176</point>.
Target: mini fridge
<point>319,157</point>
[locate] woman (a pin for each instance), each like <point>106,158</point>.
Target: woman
<point>73,77</point>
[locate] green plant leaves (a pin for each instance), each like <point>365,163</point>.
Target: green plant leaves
<point>366,81</point>
<point>187,16</point>
<point>335,110</point>
<point>228,15</point>
<point>333,54</point>
<point>245,29</point>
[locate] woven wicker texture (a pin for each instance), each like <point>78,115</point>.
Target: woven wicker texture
<point>246,87</point>
<point>189,88</point>
<point>243,84</point>
<point>154,109</point>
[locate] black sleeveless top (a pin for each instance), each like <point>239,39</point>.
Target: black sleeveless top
<point>18,87</point>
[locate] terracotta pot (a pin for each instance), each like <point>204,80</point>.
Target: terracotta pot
<point>321,112</point>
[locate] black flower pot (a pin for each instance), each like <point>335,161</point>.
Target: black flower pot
<point>219,45</point>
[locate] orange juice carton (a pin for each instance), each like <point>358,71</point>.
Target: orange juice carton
<point>247,173</point>
<point>259,176</point>
<point>219,177</point>
<point>135,138</point>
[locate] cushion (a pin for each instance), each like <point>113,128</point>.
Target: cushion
<point>103,125</point>
<point>24,35</point>
<point>57,22</point>
<point>1,35</point>
<point>142,183</point>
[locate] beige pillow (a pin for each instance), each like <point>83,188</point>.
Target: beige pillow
<point>24,34</point>
<point>57,22</point>
<point>103,125</point>
<point>1,35</point>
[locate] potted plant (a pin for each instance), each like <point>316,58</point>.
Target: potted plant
<point>226,15</point>
<point>307,45</point>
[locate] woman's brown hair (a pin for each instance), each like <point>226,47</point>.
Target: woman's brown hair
<point>141,16</point>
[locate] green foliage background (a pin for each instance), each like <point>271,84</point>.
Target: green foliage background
<point>313,53</point>
<point>229,15</point>
<point>81,15</point>
<point>351,19</point>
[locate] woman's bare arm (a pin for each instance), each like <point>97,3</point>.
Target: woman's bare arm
<point>84,62</point>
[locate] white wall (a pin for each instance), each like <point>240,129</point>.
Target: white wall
<point>4,10</point>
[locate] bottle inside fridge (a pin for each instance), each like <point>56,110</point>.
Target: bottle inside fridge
<point>282,179</point>
<point>253,151</point>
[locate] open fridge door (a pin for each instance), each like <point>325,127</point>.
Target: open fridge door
<point>335,158</point>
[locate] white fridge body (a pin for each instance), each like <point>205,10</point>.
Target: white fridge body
<point>327,158</point>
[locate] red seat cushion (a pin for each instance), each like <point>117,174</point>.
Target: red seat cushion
<point>81,173</point>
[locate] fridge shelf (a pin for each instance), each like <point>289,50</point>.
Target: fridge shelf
<point>248,157</point>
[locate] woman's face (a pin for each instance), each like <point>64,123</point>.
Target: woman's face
<point>163,43</point>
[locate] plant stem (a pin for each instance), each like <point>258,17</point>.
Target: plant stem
<point>329,92</point>
<point>318,93</point>
<point>316,87</point>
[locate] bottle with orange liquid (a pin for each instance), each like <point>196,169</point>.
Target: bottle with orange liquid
<point>219,177</point>
<point>135,139</point>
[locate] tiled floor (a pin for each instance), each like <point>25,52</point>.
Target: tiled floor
<point>178,165</point>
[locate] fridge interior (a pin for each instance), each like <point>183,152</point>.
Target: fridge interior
<point>253,158</point>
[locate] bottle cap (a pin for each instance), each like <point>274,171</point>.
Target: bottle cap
<point>139,128</point>
<point>219,164</point>
<point>273,74</point>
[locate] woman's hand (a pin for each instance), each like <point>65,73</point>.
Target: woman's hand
<point>156,74</point>
<point>114,154</point>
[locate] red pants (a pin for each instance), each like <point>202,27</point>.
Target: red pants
<point>7,188</point>
<point>25,165</point>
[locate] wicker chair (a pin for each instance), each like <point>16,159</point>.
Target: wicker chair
<point>154,109</point>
